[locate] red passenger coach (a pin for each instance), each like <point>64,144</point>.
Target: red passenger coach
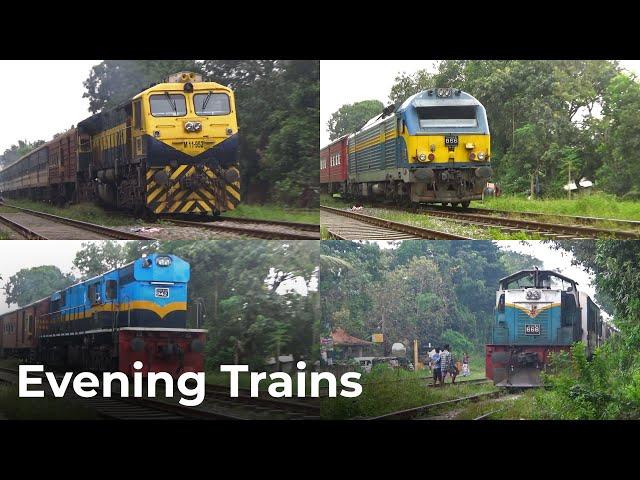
<point>333,166</point>
<point>19,330</point>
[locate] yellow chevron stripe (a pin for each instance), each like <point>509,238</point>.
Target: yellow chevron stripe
<point>153,195</point>
<point>233,192</point>
<point>178,171</point>
<point>204,205</point>
<point>161,207</point>
<point>186,207</point>
<point>230,206</point>
<point>151,185</point>
<point>174,206</point>
<point>150,174</point>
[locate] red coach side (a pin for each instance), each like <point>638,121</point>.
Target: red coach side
<point>333,166</point>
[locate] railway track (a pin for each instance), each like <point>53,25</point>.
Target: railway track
<point>218,405</point>
<point>308,409</point>
<point>263,229</point>
<point>412,413</point>
<point>346,225</point>
<point>556,230</point>
<point>626,224</point>
<point>34,225</point>
<point>128,408</point>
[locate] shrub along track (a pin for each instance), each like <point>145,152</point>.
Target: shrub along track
<point>347,225</point>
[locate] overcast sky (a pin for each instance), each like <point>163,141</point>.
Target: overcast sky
<point>349,81</point>
<point>40,98</point>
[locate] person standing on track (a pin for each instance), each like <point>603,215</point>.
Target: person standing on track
<point>435,367</point>
<point>445,363</point>
<point>465,365</point>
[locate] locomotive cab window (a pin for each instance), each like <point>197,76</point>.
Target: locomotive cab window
<point>211,104</point>
<point>168,105</point>
<point>112,289</point>
<point>448,116</point>
<point>137,115</point>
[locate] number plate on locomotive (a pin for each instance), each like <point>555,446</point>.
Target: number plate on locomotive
<point>532,329</point>
<point>193,144</point>
<point>162,293</point>
<point>451,140</point>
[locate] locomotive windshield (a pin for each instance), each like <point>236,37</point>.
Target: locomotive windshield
<point>211,103</point>
<point>537,279</point>
<point>168,105</point>
<point>448,116</point>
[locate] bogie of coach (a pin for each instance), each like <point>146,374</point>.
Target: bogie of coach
<point>538,313</point>
<point>434,148</point>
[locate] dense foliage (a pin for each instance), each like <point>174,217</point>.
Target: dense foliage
<point>350,118</point>
<point>31,284</point>
<point>435,291</point>
<point>549,120</point>
<point>278,105</point>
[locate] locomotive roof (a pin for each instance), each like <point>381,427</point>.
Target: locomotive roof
<point>523,273</point>
<point>333,142</point>
<point>428,98</point>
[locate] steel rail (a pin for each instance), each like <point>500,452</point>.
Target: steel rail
<point>398,227</point>
<point>92,227</point>
<point>416,411</point>
<point>576,231</point>
<point>252,232</point>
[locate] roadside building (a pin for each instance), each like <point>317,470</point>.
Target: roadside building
<point>346,346</point>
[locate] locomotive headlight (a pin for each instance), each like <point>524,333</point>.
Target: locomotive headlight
<point>193,126</point>
<point>163,261</point>
<point>422,157</point>
<point>481,156</point>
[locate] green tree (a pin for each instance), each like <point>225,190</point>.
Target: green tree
<point>351,117</point>
<point>31,284</point>
<point>111,82</point>
<point>96,258</point>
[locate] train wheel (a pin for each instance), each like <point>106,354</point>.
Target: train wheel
<point>466,204</point>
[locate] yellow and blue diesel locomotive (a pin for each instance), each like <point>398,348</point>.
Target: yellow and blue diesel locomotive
<point>134,313</point>
<point>537,313</point>
<point>172,148</point>
<point>434,148</point>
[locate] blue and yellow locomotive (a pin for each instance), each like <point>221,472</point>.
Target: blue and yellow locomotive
<point>538,312</point>
<point>106,323</point>
<point>434,148</point>
<point>170,149</point>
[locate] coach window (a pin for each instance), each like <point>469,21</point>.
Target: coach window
<point>168,105</point>
<point>112,289</point>
<point>211,104</point>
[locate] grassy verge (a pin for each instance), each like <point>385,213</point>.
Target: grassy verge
<point>4,236</point>
<point>275,212</point>
<point>596,205</point>
<point>384,394</point>
<point>86,212</point>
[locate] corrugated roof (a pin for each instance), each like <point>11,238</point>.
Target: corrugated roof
<point>340,337</point>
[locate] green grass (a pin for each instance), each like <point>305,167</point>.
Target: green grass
<point>595,205</point>
<point>275,212</point>
<point>4,235</point>
<point>15,408</point>
<point>383,394</point>
<point>86,212</point>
